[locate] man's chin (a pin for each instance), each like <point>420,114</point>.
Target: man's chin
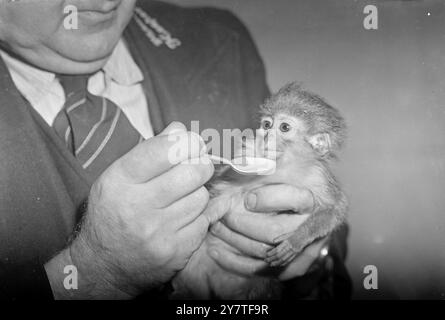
<point>85,47</point>
<point>75,67</point>
<point>89,52</point>
<point>81,60</point>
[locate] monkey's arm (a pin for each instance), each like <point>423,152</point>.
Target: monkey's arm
<point>318,225</point>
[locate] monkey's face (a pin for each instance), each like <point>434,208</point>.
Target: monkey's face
<point>283,132</point>
<point>288,135</point>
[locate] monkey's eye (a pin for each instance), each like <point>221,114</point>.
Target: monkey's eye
<point>284,127</point>
<point>267,124</point>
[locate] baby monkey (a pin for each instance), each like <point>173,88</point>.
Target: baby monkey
<point>304,133</point>
<point>308,132</point>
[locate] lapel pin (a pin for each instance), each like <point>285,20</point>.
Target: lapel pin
<point>155,32</point>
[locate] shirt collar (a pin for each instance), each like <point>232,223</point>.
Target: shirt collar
<point>121,67</point>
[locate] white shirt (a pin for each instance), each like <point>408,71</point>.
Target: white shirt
<point>120,81</point>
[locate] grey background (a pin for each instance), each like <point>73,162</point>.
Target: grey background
<point>390,85</point>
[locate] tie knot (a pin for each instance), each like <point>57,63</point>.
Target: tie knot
<point>74,85</point>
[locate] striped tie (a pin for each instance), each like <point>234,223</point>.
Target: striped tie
<point>94,129</point>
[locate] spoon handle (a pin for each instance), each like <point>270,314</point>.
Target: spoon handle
<point>219,160</point>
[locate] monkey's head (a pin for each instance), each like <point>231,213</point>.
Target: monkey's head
<point>302,123</point>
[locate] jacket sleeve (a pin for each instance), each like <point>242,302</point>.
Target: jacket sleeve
<point>27,281</point>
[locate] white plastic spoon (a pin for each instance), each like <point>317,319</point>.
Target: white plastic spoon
<point>248,165</point>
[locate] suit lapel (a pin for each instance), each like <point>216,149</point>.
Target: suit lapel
<point>141,53</point>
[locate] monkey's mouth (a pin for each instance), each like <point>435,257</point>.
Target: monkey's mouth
<point>272,149</point>
<point>260,148</point>
<point>273,154</point>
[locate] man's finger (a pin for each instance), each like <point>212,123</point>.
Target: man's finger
<point>177,183</point>
<point>235,263</point>
<point>217,208</point>
<point>186,210</point>
<point>245,245</point>
<point>192,235</point>
<point>173,127</point>
<point>263,227</point>
<point>279,197</point>
<point>156,155</point>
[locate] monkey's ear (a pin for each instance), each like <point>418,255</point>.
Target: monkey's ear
<point>321,143</point>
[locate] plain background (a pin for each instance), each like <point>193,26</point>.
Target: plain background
<point>390,85</point>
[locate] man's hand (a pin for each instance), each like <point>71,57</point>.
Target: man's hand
<point>143,222</point>
<point>251,231</point>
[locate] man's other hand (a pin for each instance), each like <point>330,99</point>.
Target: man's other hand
<point>144,220</point>
<point>249,231</point>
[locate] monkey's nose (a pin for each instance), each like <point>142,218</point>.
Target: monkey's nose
<point>270,136</point>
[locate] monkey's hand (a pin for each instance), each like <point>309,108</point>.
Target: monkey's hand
<point>286,250</point>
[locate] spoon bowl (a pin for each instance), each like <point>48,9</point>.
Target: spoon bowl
<point>248,165</point>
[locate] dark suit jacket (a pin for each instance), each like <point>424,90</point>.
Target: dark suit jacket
<point>216,76</point>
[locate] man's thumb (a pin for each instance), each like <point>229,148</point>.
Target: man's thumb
<point>174,127</point>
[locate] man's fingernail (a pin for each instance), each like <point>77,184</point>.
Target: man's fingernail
<point>251,201</point>
<point>174,128</point>
<point>176,131</point>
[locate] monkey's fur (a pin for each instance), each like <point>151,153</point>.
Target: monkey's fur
<point>308,134</point>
